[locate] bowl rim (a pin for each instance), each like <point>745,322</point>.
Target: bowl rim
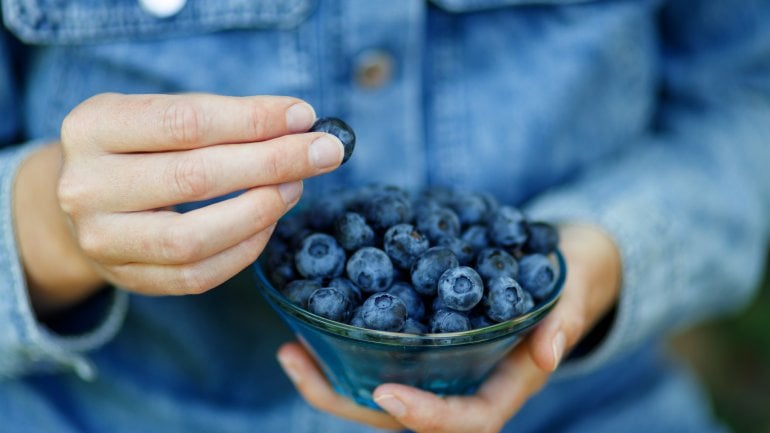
<point>498,330</point>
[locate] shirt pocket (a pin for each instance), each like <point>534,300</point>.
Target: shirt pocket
<point>83,21</point>
<point>477,5</point>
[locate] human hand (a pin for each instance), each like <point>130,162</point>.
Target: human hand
<point>590,290</point>
<point>127,159</point>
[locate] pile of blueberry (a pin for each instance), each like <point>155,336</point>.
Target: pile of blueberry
<point>437,261</point>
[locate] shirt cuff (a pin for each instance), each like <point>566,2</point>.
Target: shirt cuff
<point>27,345</point>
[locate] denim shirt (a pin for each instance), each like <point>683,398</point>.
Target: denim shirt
<point>650,119</point>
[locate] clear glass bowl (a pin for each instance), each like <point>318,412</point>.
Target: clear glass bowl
<point>357,360</point>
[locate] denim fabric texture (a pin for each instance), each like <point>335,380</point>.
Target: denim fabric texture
<point>649,118</point>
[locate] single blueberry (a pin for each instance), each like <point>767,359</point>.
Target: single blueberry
<point>508,227</point>
<point>330,303</point>
<point>298,291</point>
<point>357,319</point>
<point>412,326</point>
<point>477,236</point>
<point>352,231</point>
<point>339,129</point>
<point>543,238</point>
<point>470,208</point>
<point>506,299</point>
<point>449,321</point>
<point>480,320</point>
<point>429,266</point>
<point>386,210</point>
<point>537,275</point>
<point>324,212</point>
<point>460,288</point>
<point>415,308</point>
<point>289,225</point>
<point>438,223</point>
<point>403,244</point>
<point>493,262</point>
<point>384,312</point>
<point>462,249</point>
<point>347,288</point>
<point>370,269</point>
<point>320,257</point>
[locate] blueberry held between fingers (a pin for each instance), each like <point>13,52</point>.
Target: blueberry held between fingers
<point>339,129</point>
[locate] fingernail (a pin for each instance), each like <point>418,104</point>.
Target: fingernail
<point>300,117</point>
<point>558,348</point>
<point>391,404</point>
<point>326,151</point>
<point>290,191</point>
<point>289,369</point>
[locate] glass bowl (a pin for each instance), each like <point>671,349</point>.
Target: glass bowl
<point>357,360</point>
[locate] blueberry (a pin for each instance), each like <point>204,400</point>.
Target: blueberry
<point>325,211</point>
<point>477,236</point>
<point>387,210</point>
<point>438,304</point>
<point>352,231</point>
<point>439,222</point>
<point>347,288</point>
<point>480,320</point>
<point>339,129</point>
<point>449,321</point>
<point>403,244</point>
<point>357,319</point>
<point>460,288</point>
<point>506,299</point>
<point>462,249</point>
<point>494,262</point>
<point>470,208</point>
<point>412,326</point>
<point>508,227</point>
<point>298,291</point>
<point>289,225</point>
<point>384,312</point>
<point>543,238</point>
<point>536,275</point>
<point>415,309</point>
<point>370,269</point>
<point>279,264</point>
<point>320,257</point>
<point>330,303</point>
<point>429,266</point>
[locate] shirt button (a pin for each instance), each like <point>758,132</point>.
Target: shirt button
<point>162,8</point>
<point>374,69</point>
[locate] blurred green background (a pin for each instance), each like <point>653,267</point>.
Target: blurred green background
<point>732,358</point>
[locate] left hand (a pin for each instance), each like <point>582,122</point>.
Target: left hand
<point>591,289</point>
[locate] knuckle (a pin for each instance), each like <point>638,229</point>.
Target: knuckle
<point>259,120</point>
<point>179,245</point>
<point>189,174</point>
<point>271,165</point>
<point>70,194</point>
<point>191,280</point>
<point>183,122</point>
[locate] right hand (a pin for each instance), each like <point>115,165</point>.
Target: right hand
<point>128,158</point>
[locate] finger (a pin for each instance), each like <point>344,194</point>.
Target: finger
<point>169,238</point>
<point>315,389</point>
<point>425,412</point>
<point>512,383</point>
<point>562,328</point>
<point>192,278</point>
<point>150,123</point>
<point>140,182</point>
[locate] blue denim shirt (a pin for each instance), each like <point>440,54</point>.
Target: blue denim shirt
<point>648,118</point>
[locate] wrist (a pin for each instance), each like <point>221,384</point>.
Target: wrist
<point>58,273</point>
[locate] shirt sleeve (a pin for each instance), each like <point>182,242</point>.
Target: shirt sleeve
<point>689,204</point>
<point>26,344</point>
